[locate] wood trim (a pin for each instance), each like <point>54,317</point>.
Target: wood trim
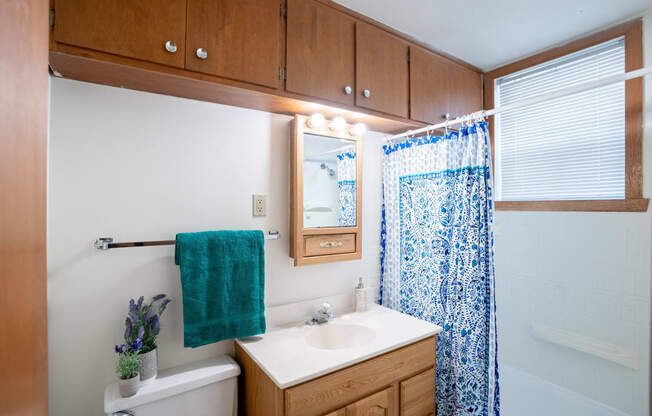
<point>634,113</point>
<point>633,33</point>
<point>23,166</point>
<point>598,205</point>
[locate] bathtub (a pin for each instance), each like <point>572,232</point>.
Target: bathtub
<point>523,394</point>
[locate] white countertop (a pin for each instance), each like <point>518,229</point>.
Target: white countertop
<point>288,359</point>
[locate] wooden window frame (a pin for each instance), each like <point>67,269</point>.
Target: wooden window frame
<point>634,201</point>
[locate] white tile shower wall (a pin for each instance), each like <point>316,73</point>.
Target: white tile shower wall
<point>584,272</point>
<point>139,166</point>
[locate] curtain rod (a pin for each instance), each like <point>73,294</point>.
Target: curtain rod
<point>601,82</point>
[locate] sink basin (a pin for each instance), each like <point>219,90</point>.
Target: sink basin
<point>339,336</point>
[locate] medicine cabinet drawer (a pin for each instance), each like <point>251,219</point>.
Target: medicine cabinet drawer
<point>320,245</point>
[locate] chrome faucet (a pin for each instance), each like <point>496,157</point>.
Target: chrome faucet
<point>322,315</point>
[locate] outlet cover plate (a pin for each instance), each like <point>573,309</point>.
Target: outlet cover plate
<point>259,205</point>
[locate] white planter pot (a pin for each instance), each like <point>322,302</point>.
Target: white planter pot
<point>148,365</point>
<point>129,387</point>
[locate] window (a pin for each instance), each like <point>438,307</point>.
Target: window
<point>567,148</point>
<point>579,152</point>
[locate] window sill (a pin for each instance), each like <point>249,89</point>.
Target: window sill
<point>598,205</point>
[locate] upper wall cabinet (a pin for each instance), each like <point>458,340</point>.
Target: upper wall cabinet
<point>150,30</point>
<point>320,51</point>
<point>381,71</point>
<point>439,86</point>
<point>236,39</point>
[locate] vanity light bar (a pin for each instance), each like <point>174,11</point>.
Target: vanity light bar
<point>317,120</point>
<point>105,243</point>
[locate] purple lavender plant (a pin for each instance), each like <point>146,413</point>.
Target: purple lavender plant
<point>143,324</point>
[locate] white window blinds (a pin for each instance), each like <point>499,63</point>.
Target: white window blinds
<point>567,148</point>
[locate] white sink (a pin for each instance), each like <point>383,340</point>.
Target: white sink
<point>338,336</point>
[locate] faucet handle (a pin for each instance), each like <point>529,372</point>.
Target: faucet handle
<point>325,308</point>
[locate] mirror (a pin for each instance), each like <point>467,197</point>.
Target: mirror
<point>329,181</point>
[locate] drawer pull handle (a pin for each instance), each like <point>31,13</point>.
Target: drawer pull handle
<point>329,244</point>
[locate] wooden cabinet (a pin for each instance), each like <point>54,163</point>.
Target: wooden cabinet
<point>368,388</point>
<point>313,241</point>
<point>236,39</point>
<point>133,28</point>
<point>381,71</point>
<point>439,86</point>
<point>418,394</point>
<point>245,53</point>
<point>382,403</point>
<point>320,51</point>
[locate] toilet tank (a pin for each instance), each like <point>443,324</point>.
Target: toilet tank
<point>202,388</point>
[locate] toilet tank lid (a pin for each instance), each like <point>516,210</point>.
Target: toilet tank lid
<point>173,381</point>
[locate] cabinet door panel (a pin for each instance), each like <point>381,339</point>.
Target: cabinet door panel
<point>340,412</point>
<point>320,51</point>
<point>382,403</point>
<point>382,69</point>
<point>133,28</point>
<point>439,86</point>
<point>418,394</point>
<point>241,38</point>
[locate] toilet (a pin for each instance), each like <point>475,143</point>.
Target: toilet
<point>202,388</point>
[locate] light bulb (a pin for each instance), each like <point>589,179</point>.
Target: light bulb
<point>316,120</point>
<point>359,129</point>
<point>338,123</point>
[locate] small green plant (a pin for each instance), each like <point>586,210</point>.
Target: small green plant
<point>127,365</point>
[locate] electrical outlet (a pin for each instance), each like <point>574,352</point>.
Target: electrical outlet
<point>259,205</point>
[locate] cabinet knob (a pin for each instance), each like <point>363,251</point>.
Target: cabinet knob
<point>348,90</point>
<point>201,53</point>
<point>366,93</point>
<point>171,46</point>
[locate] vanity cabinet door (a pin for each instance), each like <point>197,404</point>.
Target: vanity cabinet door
<point>236,39</point>
<point>150,30</point>
<point>381,71</point>
<point>340,412</point>
<point>418,394</point>
<point>439,86</point>
<point>382,403</point>
<point>320,51</point>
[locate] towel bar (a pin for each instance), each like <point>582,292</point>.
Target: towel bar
<point>105,243</point>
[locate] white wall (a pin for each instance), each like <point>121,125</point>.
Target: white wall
<point>584,272</point>
<point>139,166</point>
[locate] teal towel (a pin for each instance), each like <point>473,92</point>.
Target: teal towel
<point>223,284</point>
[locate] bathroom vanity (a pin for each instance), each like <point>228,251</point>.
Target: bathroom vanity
<point>378,362</point>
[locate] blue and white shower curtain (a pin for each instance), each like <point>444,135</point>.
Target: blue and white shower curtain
<point>346,168</point>
<point>437,258</point>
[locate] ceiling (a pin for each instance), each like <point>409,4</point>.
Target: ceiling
<point>489,34</point>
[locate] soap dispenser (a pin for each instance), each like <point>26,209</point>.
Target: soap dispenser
<point>360,297</point>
